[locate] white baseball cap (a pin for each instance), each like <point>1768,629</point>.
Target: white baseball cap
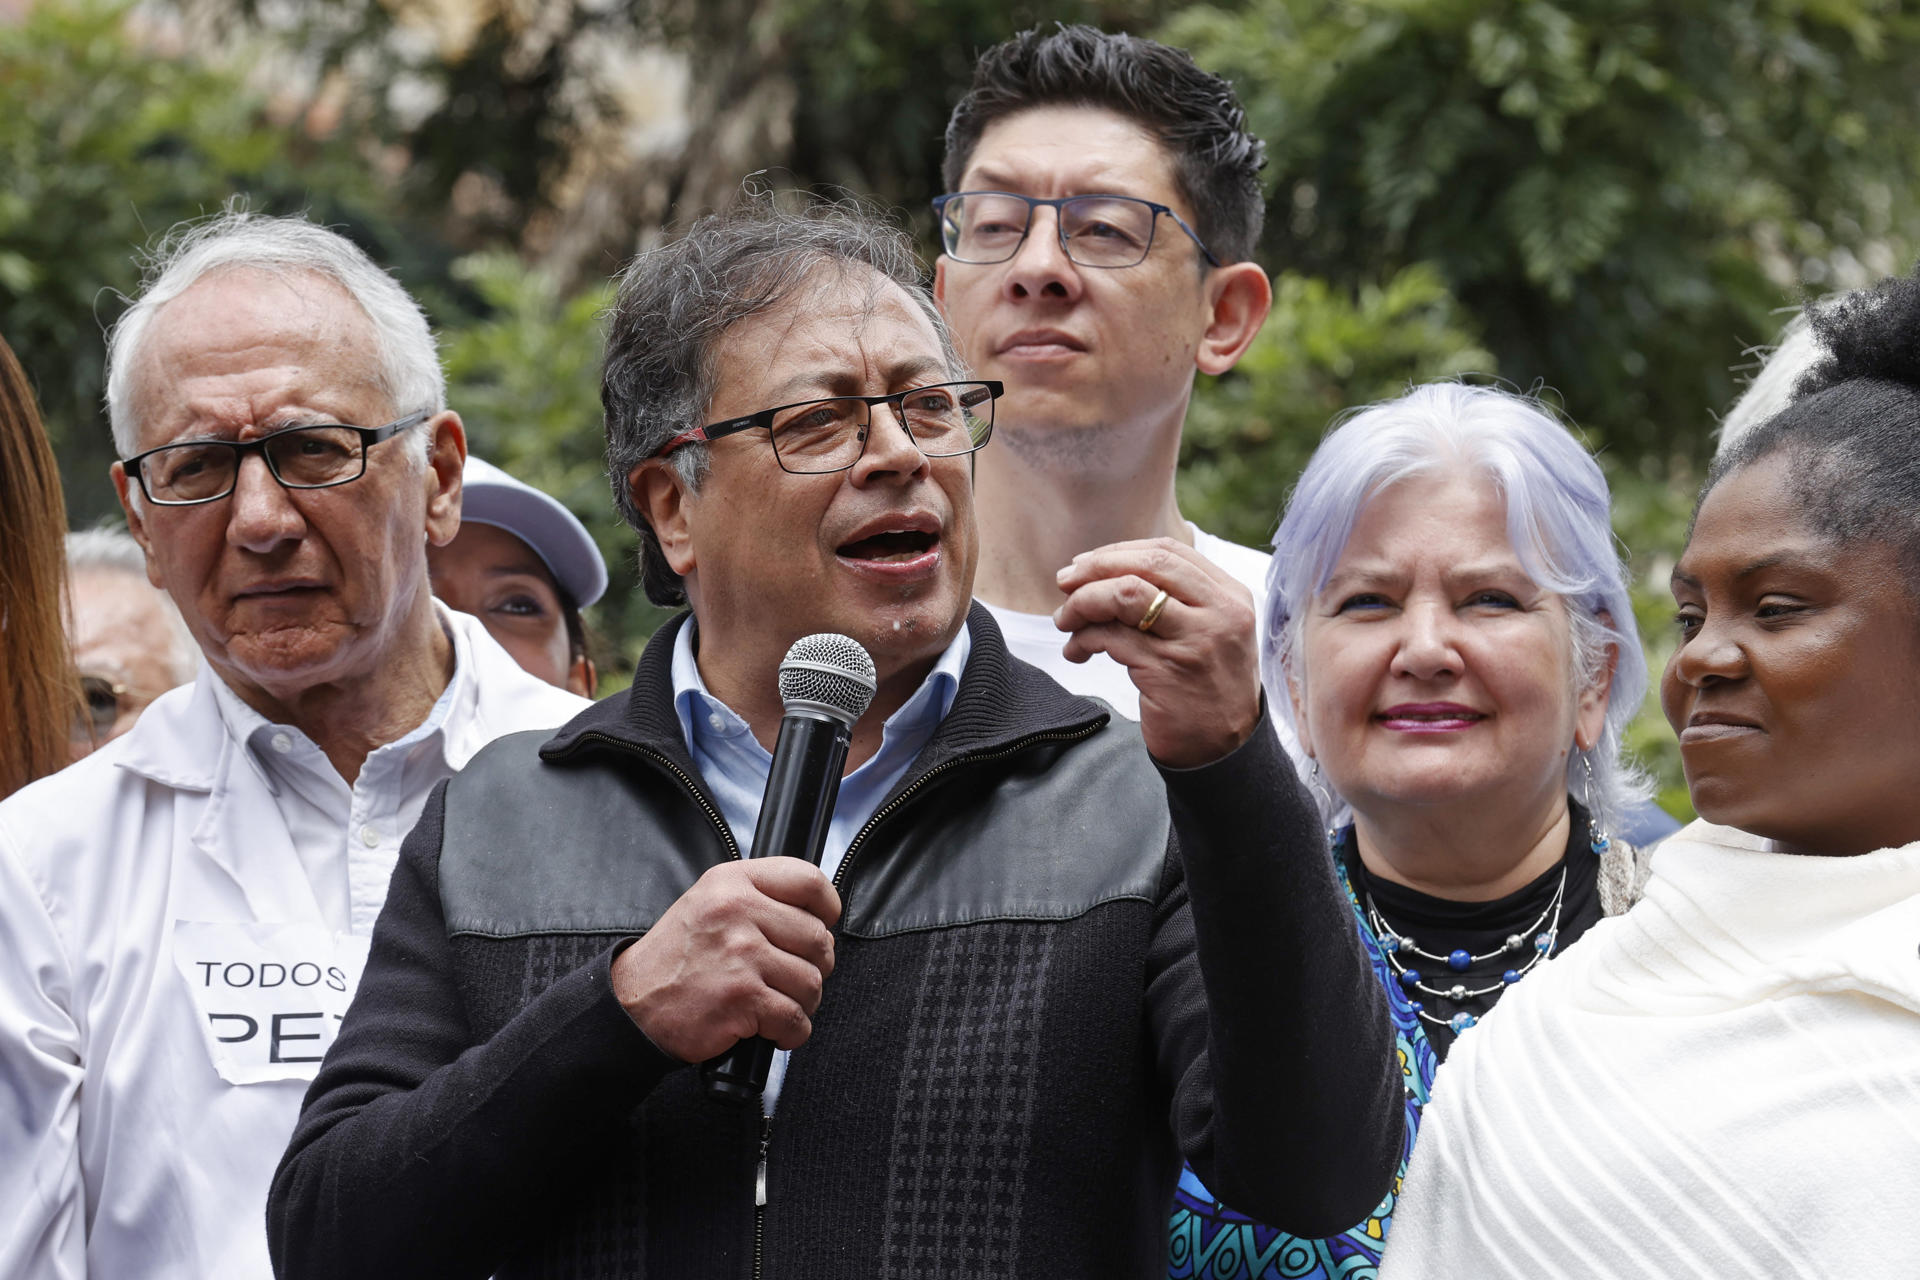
<point>491,496</point>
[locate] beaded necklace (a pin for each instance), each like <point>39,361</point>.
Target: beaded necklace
<point>1397,944</point>
<point>1399,947</point>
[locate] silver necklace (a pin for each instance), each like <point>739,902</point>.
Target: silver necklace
<point>1397,945</point>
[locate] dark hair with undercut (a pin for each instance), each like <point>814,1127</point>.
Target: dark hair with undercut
<point>1852,430</point>
<point>675,304</point>
<point>1194,114</point>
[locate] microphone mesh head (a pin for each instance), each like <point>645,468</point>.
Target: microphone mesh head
<point>828,672</point>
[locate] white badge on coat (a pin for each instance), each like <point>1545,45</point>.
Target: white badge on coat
<point>270,996</point>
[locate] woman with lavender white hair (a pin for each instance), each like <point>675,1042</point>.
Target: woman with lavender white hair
<point>1448,632</point>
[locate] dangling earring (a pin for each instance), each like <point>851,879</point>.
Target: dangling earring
<point>1325,799</point>
<point>1596,835</point>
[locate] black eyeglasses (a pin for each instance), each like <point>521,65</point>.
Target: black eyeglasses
<point>309,457</point>
<point>984,227</point>
<point>817,436</point>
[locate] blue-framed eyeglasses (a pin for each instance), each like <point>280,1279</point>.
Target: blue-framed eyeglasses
<point>1104,231</point>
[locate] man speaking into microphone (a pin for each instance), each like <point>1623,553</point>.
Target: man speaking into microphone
<point>1046,952</point>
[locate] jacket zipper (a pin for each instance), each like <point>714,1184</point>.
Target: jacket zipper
<point>839,875</point>
<point>918,784</point>
<point>733,847</point>
<point>691,787</point>
<point>719,824</point>
<point>760,1195</point>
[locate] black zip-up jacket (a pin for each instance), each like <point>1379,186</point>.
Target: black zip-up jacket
<point>1058,970</point>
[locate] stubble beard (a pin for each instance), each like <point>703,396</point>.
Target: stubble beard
<point>1077,452</point>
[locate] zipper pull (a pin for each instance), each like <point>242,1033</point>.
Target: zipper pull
<point>760,1174</point>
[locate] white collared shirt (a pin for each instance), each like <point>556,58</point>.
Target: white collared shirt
<point>348,837</point>
<point>181,924</point>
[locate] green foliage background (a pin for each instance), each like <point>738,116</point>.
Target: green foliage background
<point>1608,201</point>
<point>103,146</point>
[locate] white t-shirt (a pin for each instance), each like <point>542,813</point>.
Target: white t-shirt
<point>1032,637</point>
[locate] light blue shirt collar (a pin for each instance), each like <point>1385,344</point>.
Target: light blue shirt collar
<point>734,765</point>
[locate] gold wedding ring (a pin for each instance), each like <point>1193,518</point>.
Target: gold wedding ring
<point>1152,614</point>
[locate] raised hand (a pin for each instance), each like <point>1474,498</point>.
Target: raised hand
<point>1185,631</point>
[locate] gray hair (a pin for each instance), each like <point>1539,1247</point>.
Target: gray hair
<point>114,551</point>
<point>1557,521</point>
<point>675,304</point>
<point>1772,388</point>
<point>409,373</point>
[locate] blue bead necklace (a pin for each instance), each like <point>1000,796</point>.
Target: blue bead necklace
<point>1399,946</point>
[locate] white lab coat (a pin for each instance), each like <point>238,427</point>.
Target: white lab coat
<point>124,1150</point>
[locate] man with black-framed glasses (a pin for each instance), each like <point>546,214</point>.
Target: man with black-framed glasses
<point>186,910</point>
<point>814,437</point>
<point>186,473</point>
<point>1035,961</point>
<point>1097,236</point>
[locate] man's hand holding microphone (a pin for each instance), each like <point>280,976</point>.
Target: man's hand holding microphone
<point>736,967</point>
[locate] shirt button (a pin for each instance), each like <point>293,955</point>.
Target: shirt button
<point>282,743</point>
<point>369,837</point>
<point>715,723</point>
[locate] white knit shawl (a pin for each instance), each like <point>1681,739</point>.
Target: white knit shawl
<point>1723,1082</point>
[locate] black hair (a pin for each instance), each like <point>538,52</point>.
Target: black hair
<point>1852,430</point>
<point>576,628</point>
<point>1194,114</point>
<point>675,304</point>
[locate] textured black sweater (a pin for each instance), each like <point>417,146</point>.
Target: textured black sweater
<point>1056,973</point>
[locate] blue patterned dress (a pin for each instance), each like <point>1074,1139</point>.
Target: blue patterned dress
<point>1208,1241</point>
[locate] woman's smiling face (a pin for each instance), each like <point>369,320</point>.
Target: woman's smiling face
<point>1433,671</point>
<point>1796,685</point>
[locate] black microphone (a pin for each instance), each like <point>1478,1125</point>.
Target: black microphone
<point>826,683</point>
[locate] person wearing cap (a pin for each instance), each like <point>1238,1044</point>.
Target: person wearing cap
<point>526,567</point>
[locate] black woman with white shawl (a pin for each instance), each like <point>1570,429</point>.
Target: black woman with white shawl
<point>1726,1080</point>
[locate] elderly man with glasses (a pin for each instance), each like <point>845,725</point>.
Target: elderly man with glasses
<point>186,911</point>
<point>1036,964</point>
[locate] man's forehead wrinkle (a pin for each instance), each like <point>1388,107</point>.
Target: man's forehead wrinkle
<point>767,341</point>
<point>834,336</point>
<point>765,332</point>
<point>177,348</point>
<point>253,411</point>
<point>779,337</point>
<point>320,296</point>
<point>836,286</point>
<point>262,361</point>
